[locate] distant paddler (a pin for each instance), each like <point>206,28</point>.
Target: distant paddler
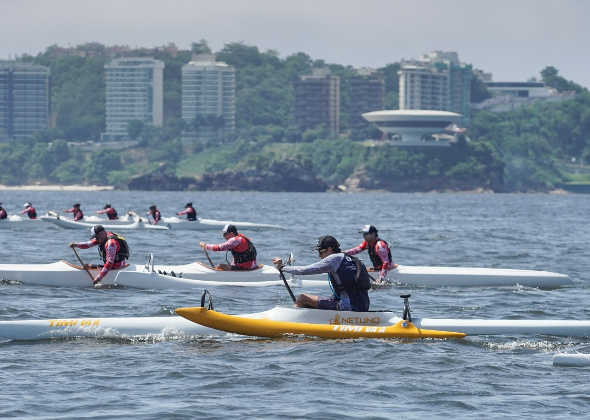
<point>78,215</point>
<point>379,251</point>
<point>348,278</point>
<point>109,211</point>
<point>3,214</point>
<point>241,247</point>
<point>30,210</point>
<point>191,213</point>
<point>155,213</point>
<point>112,248</point>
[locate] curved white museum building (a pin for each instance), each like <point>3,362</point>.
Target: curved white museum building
<point>413,125</point>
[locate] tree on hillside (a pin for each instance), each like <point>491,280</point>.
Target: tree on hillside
<point>552,79</point>
<point>239,55</point>
<point>201,47</point>
<point>101,163</point>
<point>134,129</point>
<point>479,91</point>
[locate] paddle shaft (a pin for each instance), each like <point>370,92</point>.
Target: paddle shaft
<point>287,285</point>
<point>207,255</point>
<point>83,265</point>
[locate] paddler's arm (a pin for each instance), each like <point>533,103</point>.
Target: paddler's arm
<point>356,249</point>
<point>84,245</point>
<point>381,251</point>
<point>327,265</point>
<point>231,243</point>
<point>111,251</point>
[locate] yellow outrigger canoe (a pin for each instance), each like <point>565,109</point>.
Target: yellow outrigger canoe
<point>268,328</point>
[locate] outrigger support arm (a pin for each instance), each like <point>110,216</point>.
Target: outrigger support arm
<point>407,316</point>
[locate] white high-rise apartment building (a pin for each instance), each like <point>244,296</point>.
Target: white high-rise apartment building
<point>134,91</point>
<point>436,81</point>
<point>208,97</point>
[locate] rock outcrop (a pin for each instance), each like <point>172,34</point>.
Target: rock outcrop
<point>287,175</point>
<point>158,181</point>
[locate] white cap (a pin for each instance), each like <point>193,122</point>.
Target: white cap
<point>229,228</point>
<point>368,229</point>
<point>27,205</point>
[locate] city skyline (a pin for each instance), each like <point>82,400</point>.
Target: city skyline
<point>513,40</point>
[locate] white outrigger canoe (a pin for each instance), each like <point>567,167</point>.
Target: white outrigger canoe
<point>133,221</point>
<point>18,222</point>
<point>195,275</point>
<point>65,274</point>
<point>136,224</point>
<point>176,223</point>
<point>68,327</point>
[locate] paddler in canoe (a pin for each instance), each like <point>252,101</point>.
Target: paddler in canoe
<point>155,213</point>
<point>3,214</point>
<point>30,210</point>
<point>78,215</point>
<point>379,251</point>
<point>110,212</point>
<point>189,210</point>
<point>241,247</point>
<point>112,248</point>
<point>348,278</point>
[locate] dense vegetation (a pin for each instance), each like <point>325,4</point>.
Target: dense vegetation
<point>528,149</point>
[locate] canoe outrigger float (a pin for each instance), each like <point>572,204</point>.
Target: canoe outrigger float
<point>173,326</point>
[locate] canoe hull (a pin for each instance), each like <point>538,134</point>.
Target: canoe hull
<point>141,326</point>
<point>70,224</point>
<point>100,328</point>
<point>176,223</point>
<point>63,274</point>
<point>198,275</point>
<point>475,277</point>
<point>571,359</point>
<point>23,223</point>
<point>269,328</point>
<point>265,273</point>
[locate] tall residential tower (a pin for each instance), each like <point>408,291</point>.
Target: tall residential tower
<point>317,101</point>
<point>24,99</point>
<point>208,97</point>
<point>135,91</point>
<point>436,81</point>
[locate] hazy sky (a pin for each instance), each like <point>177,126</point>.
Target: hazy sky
<point>512,39</point>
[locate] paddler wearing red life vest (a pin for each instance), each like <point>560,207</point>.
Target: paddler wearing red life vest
<point>155,213</point>
<point>3,214</point>
<point>379,251</point>
<point>110,212</point>
<point>191,213</point>
<point>241,247</point>
<point>30,210</point>
<point>78,215</point>
<point>112,248</point>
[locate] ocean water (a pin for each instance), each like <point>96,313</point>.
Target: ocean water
<point>171,377</point>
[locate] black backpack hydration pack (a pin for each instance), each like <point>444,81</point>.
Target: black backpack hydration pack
<point>362,280</point>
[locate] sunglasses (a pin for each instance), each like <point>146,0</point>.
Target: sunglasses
<point>320,251</point>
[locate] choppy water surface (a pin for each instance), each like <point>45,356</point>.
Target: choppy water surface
<point>169,377</point>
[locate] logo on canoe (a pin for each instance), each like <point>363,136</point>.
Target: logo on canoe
<point>354,320</point>
<point>72,322</point>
